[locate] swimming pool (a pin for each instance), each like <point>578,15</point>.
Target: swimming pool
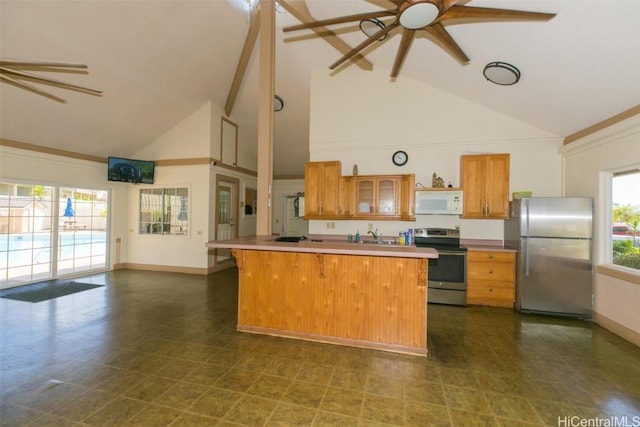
<point>25,254</point>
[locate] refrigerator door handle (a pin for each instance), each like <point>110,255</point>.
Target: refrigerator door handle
<point>526,257</point>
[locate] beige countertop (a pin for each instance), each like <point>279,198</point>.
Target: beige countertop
<point>268,243</point>
<point>484,245</point>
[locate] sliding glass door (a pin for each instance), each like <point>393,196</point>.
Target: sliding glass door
<point>51,231</point>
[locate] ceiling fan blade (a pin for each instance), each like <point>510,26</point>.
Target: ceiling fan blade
<point>469,12</point>
<point>30,88</point>
<point>448,4</point>
<point>299,9</point>
<point>442,36</point>
<point>19,62</point>
<point>364,44</point>
<point>340,20</point>
<point>405,44</point>
<point>46,80</point>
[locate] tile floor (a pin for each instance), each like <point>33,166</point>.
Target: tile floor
<point>158,349</point>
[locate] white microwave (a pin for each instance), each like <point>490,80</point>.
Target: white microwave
<point>439,202</point>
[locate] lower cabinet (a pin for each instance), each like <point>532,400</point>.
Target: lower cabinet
<point>491,278</point>
<point>376,302</point>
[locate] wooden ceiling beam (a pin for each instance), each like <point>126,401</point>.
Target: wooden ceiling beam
<point>245,56</point>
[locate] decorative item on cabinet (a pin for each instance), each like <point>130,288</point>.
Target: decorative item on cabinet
<point>437,181</point>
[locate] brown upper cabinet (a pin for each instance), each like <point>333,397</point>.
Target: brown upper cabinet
<point>485,182</point>
<point>377,195</point>
<point>408,197</point>
<point>321,188</point>
<point>328,195</point>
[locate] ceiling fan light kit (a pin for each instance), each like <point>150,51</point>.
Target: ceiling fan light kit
<point>418,15</point>
<point>501,73</point>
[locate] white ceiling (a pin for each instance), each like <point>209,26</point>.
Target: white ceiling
<point>158,61</point>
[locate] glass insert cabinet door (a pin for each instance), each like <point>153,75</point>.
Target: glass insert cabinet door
<point>386,197</point>
<point>376,196</point>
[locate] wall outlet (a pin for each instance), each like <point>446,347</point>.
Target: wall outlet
<point>333,225</point>
<point>370,227</point>
<point>328,225</point>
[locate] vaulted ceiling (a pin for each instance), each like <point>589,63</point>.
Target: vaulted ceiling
<point>158,61</point>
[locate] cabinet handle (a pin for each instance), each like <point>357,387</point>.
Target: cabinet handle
<point>490,256</point>
<point>490,271</point>
<point>487,210</point>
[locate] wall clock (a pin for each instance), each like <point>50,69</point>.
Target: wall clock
<point>400,158</point>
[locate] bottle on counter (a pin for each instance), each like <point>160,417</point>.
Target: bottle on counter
<point>357,236</point>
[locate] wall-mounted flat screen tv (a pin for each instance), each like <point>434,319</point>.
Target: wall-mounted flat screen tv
<point>130,170</point>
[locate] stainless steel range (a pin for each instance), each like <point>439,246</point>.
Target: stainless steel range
<point>447,278</point>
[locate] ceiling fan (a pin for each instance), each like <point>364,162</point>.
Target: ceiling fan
<point>421,15</point>
<point>14,72</point>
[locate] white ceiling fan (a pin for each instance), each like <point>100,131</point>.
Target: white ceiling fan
<point>17,72</point>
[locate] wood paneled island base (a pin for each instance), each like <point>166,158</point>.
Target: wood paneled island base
<point>370,301</point>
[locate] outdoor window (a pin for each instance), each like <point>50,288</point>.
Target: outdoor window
<point>164,211</point>
<point>626,218</point>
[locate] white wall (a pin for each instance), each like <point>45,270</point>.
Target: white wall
<point>173,251</point>
<point>39,168</point>
<point>196,136</point>
<point>188,139</point>
<point>362,118</point>
<point>588,164</point>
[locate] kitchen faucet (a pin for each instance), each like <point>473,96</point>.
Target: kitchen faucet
<point>377,238</point>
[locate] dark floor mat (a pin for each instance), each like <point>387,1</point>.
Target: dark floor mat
<point>43,291</point>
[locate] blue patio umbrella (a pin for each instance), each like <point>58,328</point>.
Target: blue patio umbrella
<point>68,211</point>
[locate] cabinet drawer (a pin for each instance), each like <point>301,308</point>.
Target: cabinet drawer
<point>490,256</point>
<point>489,292</point>
<point>491,271</point>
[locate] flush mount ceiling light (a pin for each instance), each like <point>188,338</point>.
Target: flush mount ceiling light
<point>501,73</point>
<point>371,26</point>
<point>278,103</point>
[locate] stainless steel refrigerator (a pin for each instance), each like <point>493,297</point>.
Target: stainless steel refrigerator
<point>553,238</point>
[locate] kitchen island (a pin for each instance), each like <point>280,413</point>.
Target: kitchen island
<point>362,295</point>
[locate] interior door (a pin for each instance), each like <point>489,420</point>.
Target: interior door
<point>226,216</point>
